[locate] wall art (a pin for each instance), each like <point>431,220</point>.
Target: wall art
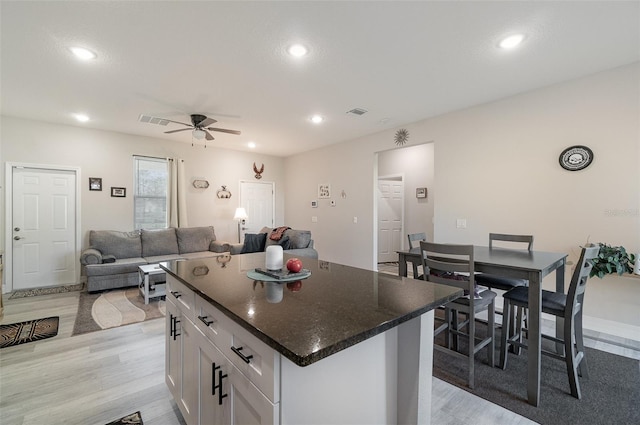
<point>95,183</point>
<point>324,191</point>
<point>118,192</point>
<point>421,192</point>
<point>258,171</point>
<point>223,193</point>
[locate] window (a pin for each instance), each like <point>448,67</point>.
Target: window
<point>151,183</point>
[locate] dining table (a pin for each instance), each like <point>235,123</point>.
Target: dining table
<point>521,264</point>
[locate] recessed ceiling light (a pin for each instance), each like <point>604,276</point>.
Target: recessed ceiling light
<point>297,50</point>
<point>317,119</point>
<point>252,145</point>
<point>511,41</point>
<point>81,117</point>
<point>82,53</point>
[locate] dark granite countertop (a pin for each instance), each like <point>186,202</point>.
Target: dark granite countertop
<point>333,309</point>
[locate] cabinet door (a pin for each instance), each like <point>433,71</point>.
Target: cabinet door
<point>226,395</point>
<point>190,371</point>
<point>247,404</point>
<point>173,350</point>
<point>212,402</point>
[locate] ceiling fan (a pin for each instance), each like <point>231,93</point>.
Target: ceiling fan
<point>199,126</point>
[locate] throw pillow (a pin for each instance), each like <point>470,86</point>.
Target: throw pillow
<point>253,242</point>
<point>285,243</point>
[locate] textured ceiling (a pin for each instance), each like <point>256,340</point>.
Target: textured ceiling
<point>401,61</point>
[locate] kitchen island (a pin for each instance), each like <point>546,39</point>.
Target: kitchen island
<point>344,345</point>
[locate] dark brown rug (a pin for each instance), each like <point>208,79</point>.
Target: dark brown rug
<point>117,307</point>
<point>132,419</point>
<point>609,396</point>
<point>29,331</point>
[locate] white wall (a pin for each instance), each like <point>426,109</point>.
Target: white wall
<point>109,155</point>
<point>496,166</point>
<point>416,164</point>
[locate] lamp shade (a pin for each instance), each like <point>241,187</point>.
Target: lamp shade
<point>241,214</point>
<point>198,134</point>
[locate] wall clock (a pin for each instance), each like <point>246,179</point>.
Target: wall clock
<point>576,158</point>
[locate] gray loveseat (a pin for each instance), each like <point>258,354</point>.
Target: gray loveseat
<point>297,242</point>
<point>113,257</point>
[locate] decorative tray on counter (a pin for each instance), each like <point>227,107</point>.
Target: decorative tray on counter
<point>283,275</point>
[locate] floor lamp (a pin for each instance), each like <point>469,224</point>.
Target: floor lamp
<point>241,216</point>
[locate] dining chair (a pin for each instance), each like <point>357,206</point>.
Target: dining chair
<point>414,242</point>
<point>567,306</point>
<point>503,283</point>
<point>453,265</point>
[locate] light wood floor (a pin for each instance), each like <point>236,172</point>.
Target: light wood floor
<point>101,376</point>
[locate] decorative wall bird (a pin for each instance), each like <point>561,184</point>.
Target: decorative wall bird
<point>258,172</point>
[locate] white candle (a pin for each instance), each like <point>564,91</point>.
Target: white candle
<point>274,257</point>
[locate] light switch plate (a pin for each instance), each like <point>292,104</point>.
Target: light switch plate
<point>461,223</point>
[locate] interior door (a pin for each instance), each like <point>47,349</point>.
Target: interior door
<point>43,226</point>
<point>390,205</point>
<point>258,199</point>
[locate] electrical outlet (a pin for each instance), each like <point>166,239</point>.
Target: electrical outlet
<point>314,219</point>
<point>355,219</point>
<point>461,223</point>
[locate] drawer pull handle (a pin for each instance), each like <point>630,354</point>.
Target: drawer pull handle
<point>213,378</point>
<point>173,330</point>
<point>176,294</point>
<point>246,359</point>
<point>204,320</point>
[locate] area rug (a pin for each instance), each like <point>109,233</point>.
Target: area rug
<point>29,331</point>
<point>32,292</point>
<point>114,308</point>
<point>609,396</point>
<point>132,419</point>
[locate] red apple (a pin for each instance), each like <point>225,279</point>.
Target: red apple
<point>294,265</point>
<point>294,286</point>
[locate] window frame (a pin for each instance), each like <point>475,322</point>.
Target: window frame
<point>137,161</point>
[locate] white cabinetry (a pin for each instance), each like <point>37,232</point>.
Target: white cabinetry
<point>211,365</point>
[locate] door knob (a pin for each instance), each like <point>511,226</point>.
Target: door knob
<point>17,238</point>
<point>17,229</point>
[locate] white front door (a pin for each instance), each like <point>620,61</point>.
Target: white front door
<point>43,226</point>
<point>390,205</point>
<point>258,199</point>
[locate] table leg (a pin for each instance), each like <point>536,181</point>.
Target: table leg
<point>402,265</point>
<point>534,339</point>
<point>146,288</point>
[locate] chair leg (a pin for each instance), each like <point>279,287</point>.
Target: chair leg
<point>447,332</point>
<point>583,370</point>
<point>504,335</point>
<point>472,348</point>
<point>570,358</point>
<point>514,328</point>
<point>491,329</point>
<point>454,325</point>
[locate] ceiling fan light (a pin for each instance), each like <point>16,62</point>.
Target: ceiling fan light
<point>198,134</point>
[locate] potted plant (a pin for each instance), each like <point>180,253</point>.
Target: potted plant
<point>612,259</point>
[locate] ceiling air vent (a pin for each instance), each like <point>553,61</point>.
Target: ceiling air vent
<point>152,120</point>
<point>357,111</point>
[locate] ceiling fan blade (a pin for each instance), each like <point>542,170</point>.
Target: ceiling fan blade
<point>175,131</point>
<point>207,121</point>
<point>177,122</point>
<point>207,135</point>
<point>224,130</point>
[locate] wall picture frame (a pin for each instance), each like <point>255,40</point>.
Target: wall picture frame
<point>118,192</point>
<point>324,191</point>
<point>95,183</point>
<point>314,204</point>
<point>421,192</point>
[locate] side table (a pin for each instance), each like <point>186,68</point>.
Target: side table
<point>146,289</point>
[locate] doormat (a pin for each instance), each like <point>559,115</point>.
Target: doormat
<point>32,292</point>
<point>132,419</point>
<point>31,330</point>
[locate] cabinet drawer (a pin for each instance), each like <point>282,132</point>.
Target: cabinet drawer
<point>255,359</point>
<point>210,322</point>
<point>183,297</point>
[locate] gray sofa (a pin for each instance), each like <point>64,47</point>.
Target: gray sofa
<point>113,257</point>
<point>299,243</point>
